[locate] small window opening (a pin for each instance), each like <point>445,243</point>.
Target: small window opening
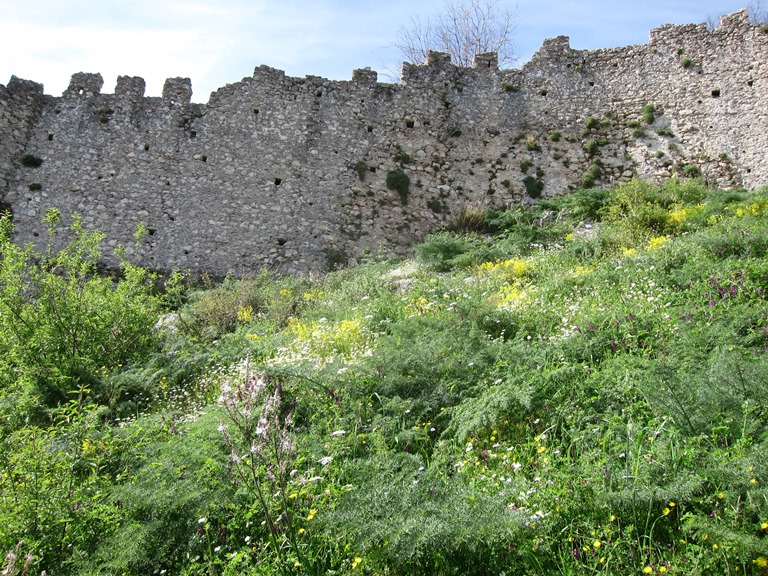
<point>278,181</point>
<point>716,93</point>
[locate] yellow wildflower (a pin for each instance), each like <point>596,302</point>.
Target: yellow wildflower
<point>647,570</point>
<point>628,252</point>
<point>762,562</point>
<point>666,511</point>
<point>764,525</point>
<point>311,515</point>
<point>356,562</point>
<point>597,543</point>
<point>663,569</point>
<point>657,242</point>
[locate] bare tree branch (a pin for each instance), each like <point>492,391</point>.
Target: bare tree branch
<point>757,10</point>
<point>463,29</point>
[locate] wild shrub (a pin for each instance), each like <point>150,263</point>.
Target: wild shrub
<point>64,327</point>
<point>31,161</point>
<point>533,186</point>
<point>649,113</point>
<point>174,496</point>
<point>52,482</point>
<point>222,308</point>
<point>408,519</point>
<point>398,180</point>
<point>444,251</point>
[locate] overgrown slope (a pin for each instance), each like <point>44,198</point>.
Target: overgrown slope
<point>575,387</point>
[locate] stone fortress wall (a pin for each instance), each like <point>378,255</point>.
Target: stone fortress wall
<point>291,173</point>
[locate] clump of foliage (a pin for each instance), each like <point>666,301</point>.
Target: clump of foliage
<point>691,171</point>
<point>649,113</point>
<point>398,180</point>
<point>436,205</point>
<point>592,174</point>
<point>361,169</point>
<point>533,186</point>
<point>401,156</point>
<point>31,161</point>
<point>64,326</point>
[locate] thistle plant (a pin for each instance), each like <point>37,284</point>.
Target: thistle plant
<point>262,458</point>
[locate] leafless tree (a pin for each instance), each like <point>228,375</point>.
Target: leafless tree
<point>463,29</point>
<point>757,10</point>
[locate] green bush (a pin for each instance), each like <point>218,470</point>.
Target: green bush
<point>398,180</point>
<point>591,147</point>
<point>64,328</point>
<point>446,250</point>
<point>361,169</point>
<point>649,113</point>
<point>593,173</point>
<point>436,205</point>
<point>401,156</point>
<point>691,171</point>
<point>31,161</point>
<point>533,186</point>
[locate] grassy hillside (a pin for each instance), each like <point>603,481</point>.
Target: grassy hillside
<point>575,387</point>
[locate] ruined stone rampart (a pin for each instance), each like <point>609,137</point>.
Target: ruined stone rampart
<point>291,173</point>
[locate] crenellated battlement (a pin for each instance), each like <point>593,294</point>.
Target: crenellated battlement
<point>291,173</point>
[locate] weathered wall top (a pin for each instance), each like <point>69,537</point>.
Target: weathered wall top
<point>292,173</point>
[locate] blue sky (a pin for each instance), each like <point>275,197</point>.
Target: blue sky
<point>219,42</point>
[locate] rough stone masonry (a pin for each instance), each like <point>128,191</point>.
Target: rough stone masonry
<point>295,174</point>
